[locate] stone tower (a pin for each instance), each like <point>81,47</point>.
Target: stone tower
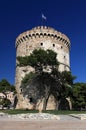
<point>45,38</point>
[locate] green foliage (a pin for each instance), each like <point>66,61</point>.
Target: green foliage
<point>67,77</point>
<point>30,86</point>
<point>18,111</point>
<point>54,82</point>
<point>56,112</point>
<point>39,58</point>
<point>79,95</point>
<point>6,102</point>
<point>67,91</point>
<point>13,89</point>
<point>28,78</point>
<point>23,61</point>
<point>6,87</point>
<point>64,112</point>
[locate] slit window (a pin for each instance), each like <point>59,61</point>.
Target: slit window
<point>21,39</point>
<point>61,47</point>
<point>53,45</point>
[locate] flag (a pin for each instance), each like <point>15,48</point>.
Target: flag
<point>44,17</point>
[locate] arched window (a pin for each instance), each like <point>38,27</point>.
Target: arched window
<point>58,37</point>
<point>41,44</point>
<point>24,38</point>
<point>21,39</point>
<point>52,35</point>
<point>27,36</point>
<point>45,34</point>
<point>55,36</point>
<point>48,34</point>
<point>53,45</point>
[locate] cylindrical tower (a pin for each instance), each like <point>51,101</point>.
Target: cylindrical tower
<point>45,38</point>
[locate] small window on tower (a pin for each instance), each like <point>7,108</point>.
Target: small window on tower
<point>61,47</point>
<point>53,45</point>
<point>41,44</point>
<point>64,57</point>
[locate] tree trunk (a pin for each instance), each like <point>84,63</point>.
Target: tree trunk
<point>47,90</point>
<point>44,104</point>
<point>58,102</point>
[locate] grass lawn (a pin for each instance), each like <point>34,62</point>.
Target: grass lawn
<point>64,112</point>
<point>18,111</point>
<point>56,112</point>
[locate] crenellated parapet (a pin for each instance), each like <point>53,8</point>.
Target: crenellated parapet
<point>45,32</point>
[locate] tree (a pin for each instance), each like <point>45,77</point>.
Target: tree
<point>67,82</point>
<point>39,59</point>
<point>50,80</point>
<point>5,87</point>
<point>5,103</point>
<point>79,96</point>
<point>66,93</point>
<point>44,62</point>
<point>63,89</point>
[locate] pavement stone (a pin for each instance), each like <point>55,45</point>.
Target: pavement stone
<point>66,122</point>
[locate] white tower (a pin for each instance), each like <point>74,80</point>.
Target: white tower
<point>45,38</point>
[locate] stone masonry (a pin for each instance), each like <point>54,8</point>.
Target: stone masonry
<point>45,38</point>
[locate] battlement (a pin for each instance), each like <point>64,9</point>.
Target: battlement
<point>43,31</point>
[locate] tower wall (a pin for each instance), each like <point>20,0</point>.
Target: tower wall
<point>45,38</point>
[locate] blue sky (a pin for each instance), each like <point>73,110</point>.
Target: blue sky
<point>66,16</point>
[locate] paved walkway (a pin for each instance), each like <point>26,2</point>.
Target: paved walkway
<point>65,123</point>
